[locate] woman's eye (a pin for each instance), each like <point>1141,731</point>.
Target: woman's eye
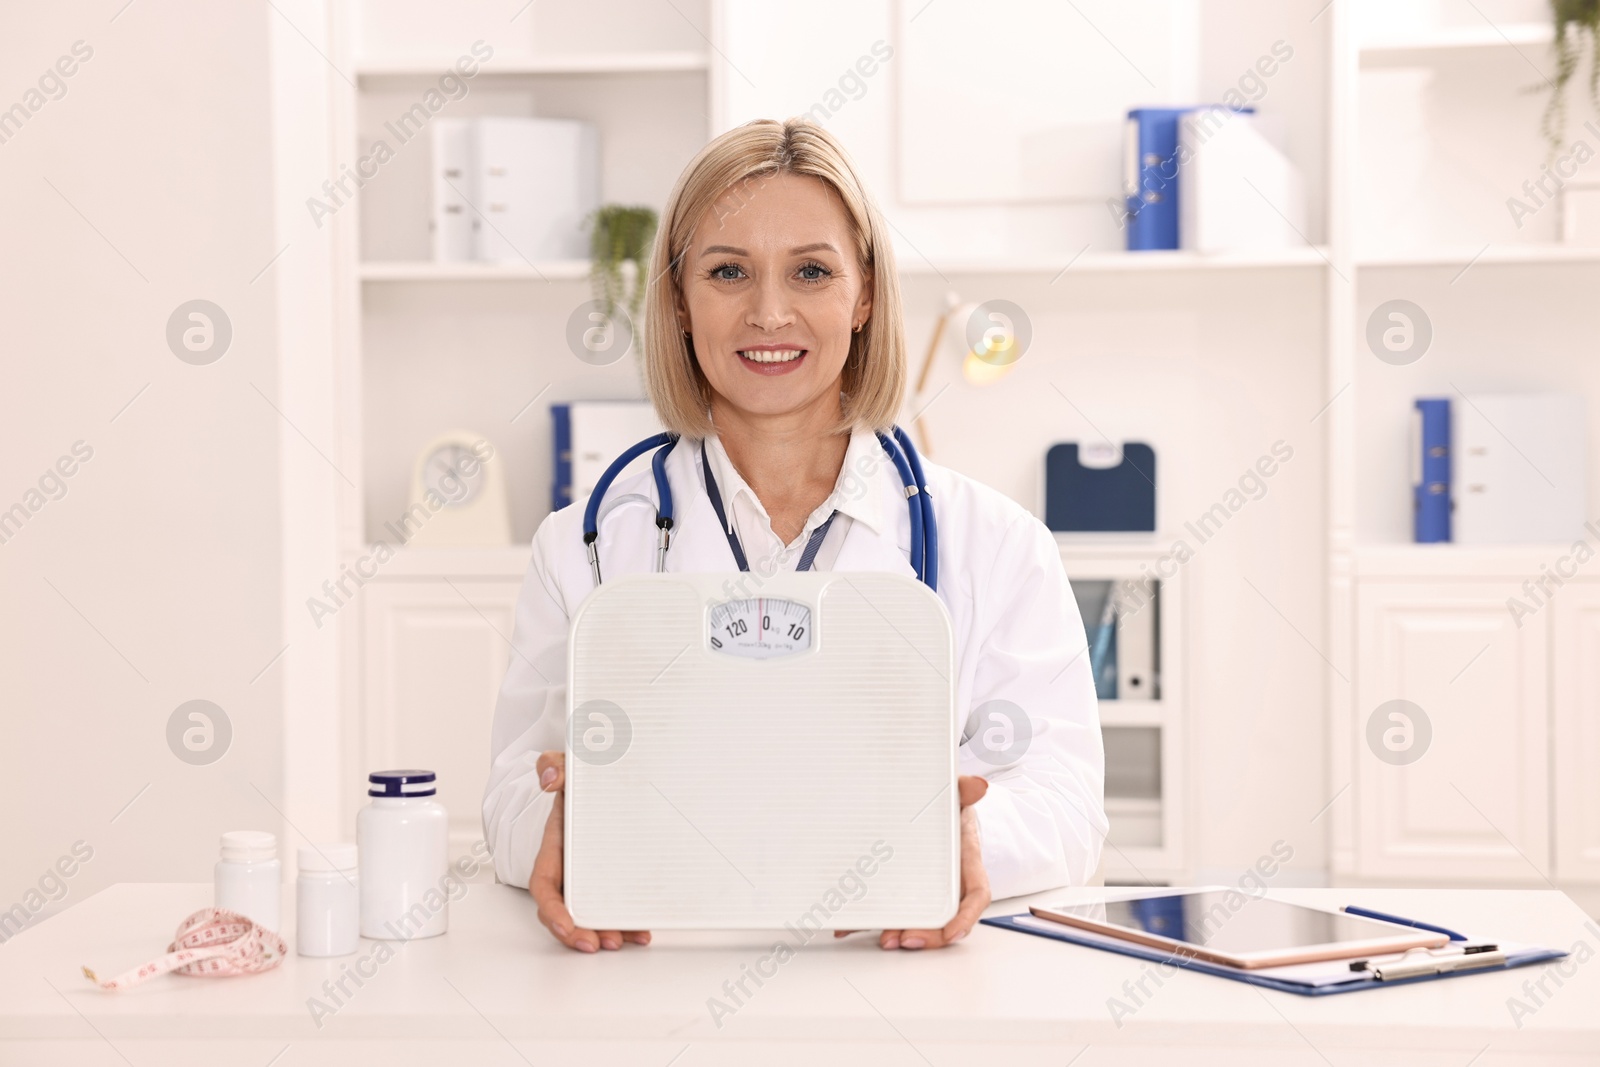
<point>732,272</point>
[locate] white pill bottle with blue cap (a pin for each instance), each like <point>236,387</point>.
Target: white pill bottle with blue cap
<point>403,843</point>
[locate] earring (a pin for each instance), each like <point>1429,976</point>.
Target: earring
<point>858,326</point>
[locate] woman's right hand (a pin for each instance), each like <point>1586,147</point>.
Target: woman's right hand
<point>546,885</point>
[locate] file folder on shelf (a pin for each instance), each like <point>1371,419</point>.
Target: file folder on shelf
<point>536,180</point>
<point>1237,189</point>
<point>1430,473</point>
<point>1138,657</point>
<point>455,225</point>
<point>1151,178</point>
<point>588,435</point>
<point>1519,466</point>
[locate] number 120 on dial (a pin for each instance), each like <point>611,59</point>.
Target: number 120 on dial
<point>760,627</point>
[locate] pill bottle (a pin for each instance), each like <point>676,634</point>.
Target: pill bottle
<point>327,905</point>
<point>403,837</point>
<point>248,875</point>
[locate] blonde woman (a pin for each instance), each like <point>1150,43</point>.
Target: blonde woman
<point>774,345</point>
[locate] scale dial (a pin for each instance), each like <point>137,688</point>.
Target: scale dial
<point>760,627</point>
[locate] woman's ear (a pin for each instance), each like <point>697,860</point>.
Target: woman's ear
<point>863,310</point>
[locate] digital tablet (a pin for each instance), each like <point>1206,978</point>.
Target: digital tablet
<point>1231,927</point>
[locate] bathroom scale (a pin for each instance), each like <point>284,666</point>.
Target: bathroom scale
<point>761,753</point>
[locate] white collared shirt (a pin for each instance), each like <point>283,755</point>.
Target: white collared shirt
<point>1018,640</point>
<point>749,519</point>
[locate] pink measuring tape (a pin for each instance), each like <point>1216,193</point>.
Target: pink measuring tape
<point>211,943</point>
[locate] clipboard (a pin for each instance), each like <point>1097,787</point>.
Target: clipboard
<point>1348,981</point>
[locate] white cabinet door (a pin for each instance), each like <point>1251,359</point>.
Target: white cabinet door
<point>435,654</point>
<point>1575,612</point>
<point>1474,802</point>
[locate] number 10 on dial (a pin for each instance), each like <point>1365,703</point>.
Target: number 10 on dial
<point>760,627</point>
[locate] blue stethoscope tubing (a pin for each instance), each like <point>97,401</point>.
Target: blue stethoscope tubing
<point>924,528</point>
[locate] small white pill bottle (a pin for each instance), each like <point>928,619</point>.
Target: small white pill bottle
<point>404,842</point>
<point>327,912</point>
<point>248,876</point>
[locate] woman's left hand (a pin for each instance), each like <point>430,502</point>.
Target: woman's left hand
<point>974,881</point>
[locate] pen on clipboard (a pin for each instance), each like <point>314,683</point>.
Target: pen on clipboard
<point>1368,913</point>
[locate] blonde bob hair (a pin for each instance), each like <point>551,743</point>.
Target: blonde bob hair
<point>874,376</point>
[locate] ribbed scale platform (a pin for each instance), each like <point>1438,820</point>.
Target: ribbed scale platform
<point>750,788</point>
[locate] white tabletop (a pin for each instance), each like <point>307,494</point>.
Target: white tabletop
<point>497,989</point>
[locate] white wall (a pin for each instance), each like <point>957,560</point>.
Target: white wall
<point>155,579</point>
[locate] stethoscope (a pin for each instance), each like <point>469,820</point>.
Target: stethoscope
<point>924,528</point>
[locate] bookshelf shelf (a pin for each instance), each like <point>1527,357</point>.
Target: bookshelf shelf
<point>1114,262</point>
<point>428,271</point>
<point>1089,263</point>
<point>1452,560</point>
<point>1133,713</point>
<point>500,562</point>
<point>1133,805</point>
<point>533,66</point>
<point>1492,255</point>
<point>1429,47</point>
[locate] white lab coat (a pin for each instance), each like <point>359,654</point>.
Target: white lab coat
<point>1018,637</point>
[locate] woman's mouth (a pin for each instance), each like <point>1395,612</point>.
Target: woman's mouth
<point>772,360</point>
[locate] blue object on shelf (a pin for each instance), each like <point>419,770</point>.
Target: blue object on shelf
<point>561,451</point>
<point>1097,603</point>
<point>1431,487</point>
<point>1152,176</point>
<point>1114,490</point>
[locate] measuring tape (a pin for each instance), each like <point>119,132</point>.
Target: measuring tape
<point>211,943</point>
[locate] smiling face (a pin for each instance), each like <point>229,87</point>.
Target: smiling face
<point>771,293</point>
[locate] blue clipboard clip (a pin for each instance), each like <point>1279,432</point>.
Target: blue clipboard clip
<point>1417,962</point>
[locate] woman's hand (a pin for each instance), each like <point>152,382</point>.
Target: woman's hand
<point>974,881</point>
<point>546,883</point>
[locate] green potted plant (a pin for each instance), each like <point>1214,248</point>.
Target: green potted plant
<point>621,234</point>
<point>1574,20</point>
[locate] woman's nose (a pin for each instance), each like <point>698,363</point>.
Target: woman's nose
<point>770,307</point>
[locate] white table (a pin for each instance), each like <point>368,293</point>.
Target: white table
<point>497,990</point>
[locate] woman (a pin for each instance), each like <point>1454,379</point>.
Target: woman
<point>774,345</point>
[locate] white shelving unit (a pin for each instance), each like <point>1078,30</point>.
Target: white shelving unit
<point>1496,798</point>
<point>424,652</point>
<point>1147,788</point>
